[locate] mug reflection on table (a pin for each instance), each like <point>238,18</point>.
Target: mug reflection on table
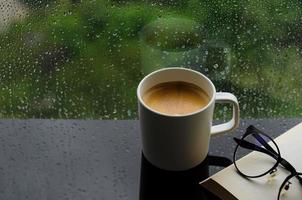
<point>156,183</point>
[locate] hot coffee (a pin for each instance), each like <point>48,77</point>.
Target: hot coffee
<point>176,98</point>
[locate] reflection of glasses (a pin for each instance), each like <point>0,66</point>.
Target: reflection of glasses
<point>266,157</point>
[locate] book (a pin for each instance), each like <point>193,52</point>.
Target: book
<point>229,185</point>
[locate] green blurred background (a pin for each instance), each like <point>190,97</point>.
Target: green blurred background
<point>83,59</point>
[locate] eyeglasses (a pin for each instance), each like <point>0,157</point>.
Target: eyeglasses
<point>266,156</point>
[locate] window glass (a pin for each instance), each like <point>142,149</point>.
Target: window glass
<point>84,59</point>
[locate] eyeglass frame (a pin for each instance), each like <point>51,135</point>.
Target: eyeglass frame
<point>251,130</point>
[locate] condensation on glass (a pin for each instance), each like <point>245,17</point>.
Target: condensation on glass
<point>84,59</point>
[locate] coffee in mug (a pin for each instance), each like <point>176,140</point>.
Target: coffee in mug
<point>176,98</point>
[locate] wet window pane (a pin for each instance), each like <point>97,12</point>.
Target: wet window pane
<point>84,59</point>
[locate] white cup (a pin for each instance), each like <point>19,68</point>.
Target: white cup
<point>181,142</point>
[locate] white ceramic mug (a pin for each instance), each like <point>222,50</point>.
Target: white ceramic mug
<point>181,142</point>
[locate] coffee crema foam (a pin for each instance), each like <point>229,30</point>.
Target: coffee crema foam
<point>176,98</point>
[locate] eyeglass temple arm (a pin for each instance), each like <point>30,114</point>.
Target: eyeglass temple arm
<point>263,142</point>
<point>290,168</point>
<point>287,165</point>
<point>251,146</point>
<point>255,133</point>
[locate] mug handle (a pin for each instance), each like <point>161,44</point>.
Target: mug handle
<point>225,97</point>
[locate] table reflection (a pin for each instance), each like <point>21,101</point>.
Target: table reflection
<point>156,183</point>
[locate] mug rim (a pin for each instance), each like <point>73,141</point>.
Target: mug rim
<point>139,96</point>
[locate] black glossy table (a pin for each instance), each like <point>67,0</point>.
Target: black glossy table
<point>94,160</point>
